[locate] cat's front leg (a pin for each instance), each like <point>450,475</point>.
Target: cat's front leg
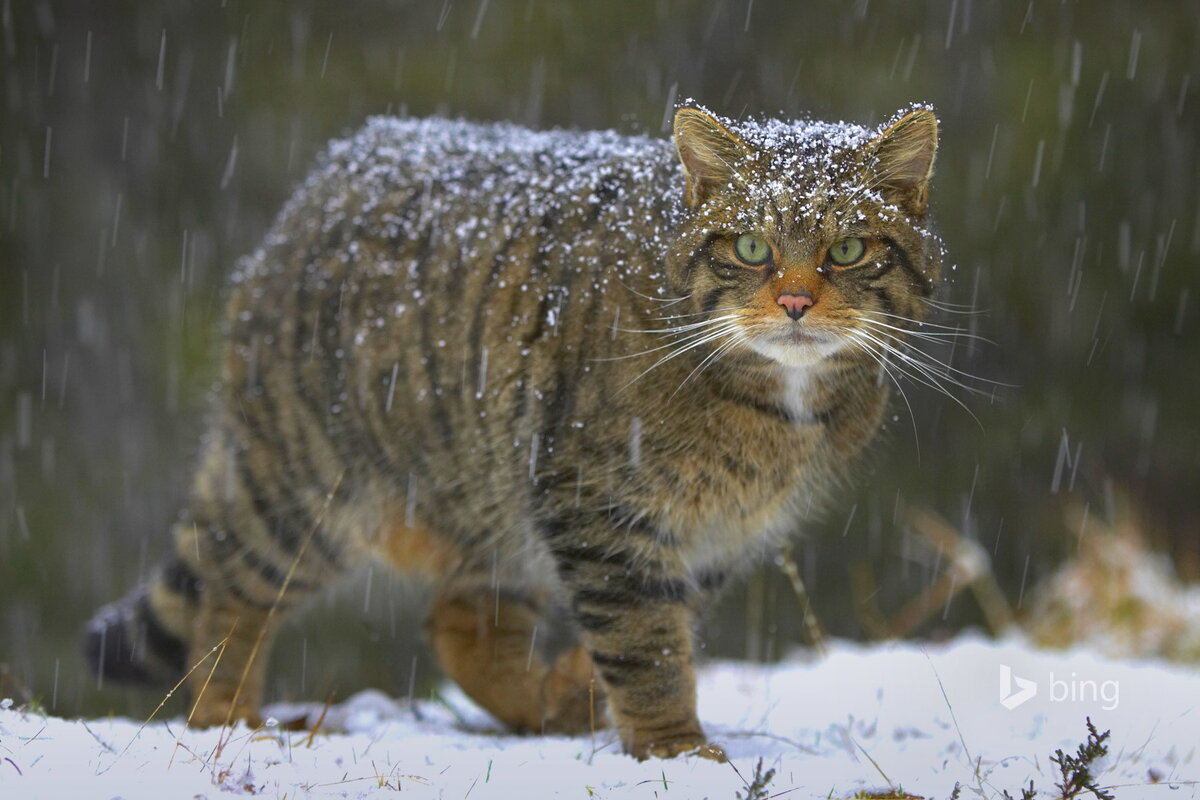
<point>645,662</point>
<point>632,609</point>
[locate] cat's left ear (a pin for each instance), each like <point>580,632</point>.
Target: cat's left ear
<point>708,151</point>
<point>905,150</point>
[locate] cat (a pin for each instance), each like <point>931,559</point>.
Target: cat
<point>544,369</point>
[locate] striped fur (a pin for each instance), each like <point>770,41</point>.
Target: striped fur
<point>531,367</point>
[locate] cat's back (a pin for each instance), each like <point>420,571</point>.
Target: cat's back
<point>408,196</point>
<point>459,168</point>
<point>423,288</point>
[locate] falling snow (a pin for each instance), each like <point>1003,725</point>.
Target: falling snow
<point>143,151</point>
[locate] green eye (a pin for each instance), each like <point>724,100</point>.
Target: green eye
<point>752,250</point>
<point>847,252</point>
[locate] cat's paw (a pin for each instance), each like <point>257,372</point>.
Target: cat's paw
<point>713,752</point>
<point>211,713</point>
<point>686,743</point>
<point>572,699</point>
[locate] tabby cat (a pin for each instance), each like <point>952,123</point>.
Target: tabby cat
<point>545,369</point>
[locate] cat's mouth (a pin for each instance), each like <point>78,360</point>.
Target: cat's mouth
<point>799,334</point>
<point>796,345</point>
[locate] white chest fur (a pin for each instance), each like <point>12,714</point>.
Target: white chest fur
<point>755,526</point>
<point>795,387</point>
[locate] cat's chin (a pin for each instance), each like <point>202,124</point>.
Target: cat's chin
<point>796,349</point>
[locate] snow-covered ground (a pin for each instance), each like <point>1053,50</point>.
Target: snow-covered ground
<point>864,718</point>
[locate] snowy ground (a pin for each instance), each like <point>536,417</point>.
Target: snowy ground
<point>864,718</point>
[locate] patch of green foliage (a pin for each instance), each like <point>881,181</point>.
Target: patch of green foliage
<point>756,789</point>
<point>1075,771</point>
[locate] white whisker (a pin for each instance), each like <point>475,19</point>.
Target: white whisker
<point>705,337</point>
<point>881,359</point>
<point>944,369</point>
<point>922,372</point>
<point>702,331</point>
<point>667,300</point>
<point>953,308</point>
<point>701,313</point>
<point>918,323</point>
<point>712,357</point>
<point>681,328</point>
<point>936,337</point>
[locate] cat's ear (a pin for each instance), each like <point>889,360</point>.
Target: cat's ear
<point>905,150</point>
<point>708,151</point>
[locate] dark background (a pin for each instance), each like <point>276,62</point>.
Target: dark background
<point>144,147</point>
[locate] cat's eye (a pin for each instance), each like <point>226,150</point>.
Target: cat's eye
<point>752,250</point>
<point>847,252</point>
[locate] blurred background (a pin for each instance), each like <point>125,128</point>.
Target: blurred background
<point>145,147</point>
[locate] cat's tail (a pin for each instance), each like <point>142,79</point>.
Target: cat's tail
<point>142,638</point>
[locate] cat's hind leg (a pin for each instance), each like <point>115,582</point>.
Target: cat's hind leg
<point>259,546</point>
<point>486,641</point>
<point>250,547</point>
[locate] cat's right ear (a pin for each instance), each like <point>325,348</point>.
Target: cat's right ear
<point>708,151</point>
<point>906,149</point>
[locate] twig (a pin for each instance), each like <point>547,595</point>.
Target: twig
<point>220,647</point>
<point>864,591</point>
<point>103,743</point>
<point>592,713</point>
<point>812,627</point>
<point>266,624</point>
<point>970,568</point>
<point>954,719</point>
<point>874,763</point>
<point>320,720</point>
<point>973,563</point>
<point>917,610</point>
<point>772,736</point>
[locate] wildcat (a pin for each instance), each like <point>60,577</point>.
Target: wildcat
<point>543,369</point>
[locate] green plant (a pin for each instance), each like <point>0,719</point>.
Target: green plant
<point>1075,771</point>
<point>1027,793</point>
<point>756,789</point>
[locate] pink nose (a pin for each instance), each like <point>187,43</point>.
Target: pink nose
<point>795,304</point>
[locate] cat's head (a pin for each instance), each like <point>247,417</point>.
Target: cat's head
<point>802,238</point>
